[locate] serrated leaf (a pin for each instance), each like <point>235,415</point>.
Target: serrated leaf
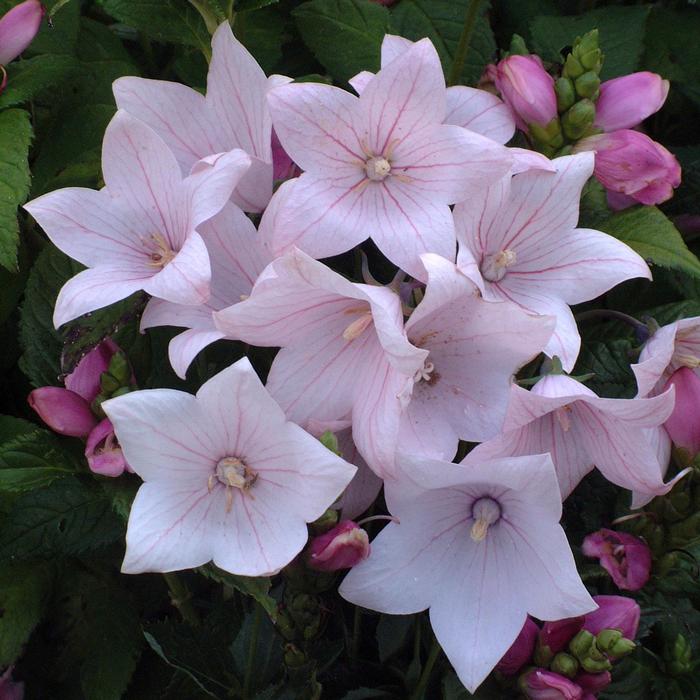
<point>27,79</point>
<point>67,517</point>
<point>647,231</point>
<point>257,588</point>
<point>609,362</point>
<point>621,36</point>
<point>262,33</point>
<point>668,313</point>
<point>15,137</point>
<point>24,590</point>
<point>442,22</point>
<point>344,35</point>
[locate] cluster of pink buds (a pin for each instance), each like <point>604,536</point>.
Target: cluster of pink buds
<point>75,409</point>
<point>571,659</point>
<point>18,27</point>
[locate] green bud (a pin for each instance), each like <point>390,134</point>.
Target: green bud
<point>96,405</point>
<point>329,440</point>
<point>591,665</point>
<point>686,529</point>
<point>566,151</point>
<point>566,96</point>
<point>121,392</point>
<point>518,46</point>
<point>547,136</point>
<point>543,655</point>
<point>667,562</point>
<point>108,383</point>
<point>587,85</point>
<point>593,60</point>
<point>293,656</point>
<point>621,648</point>
<point>680,500</point>
<point>588,42</point>
<point>655,537</point>
<point>572,67</point>
<point>582,644</point>
<point>328,520</point>
<point>682,656</point>
<point>606,639</point>
<point>119,368</point>
<point>565,664</point>
<point>578,119</point>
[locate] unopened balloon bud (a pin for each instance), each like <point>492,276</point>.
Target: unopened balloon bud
<point>588,85</point>
<point>565,664</point>
<point>566,94</point>
<point>579,119</point>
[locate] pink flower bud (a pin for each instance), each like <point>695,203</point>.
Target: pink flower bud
<point>556,635</point>
<point>614,612</point>
<point>9,690</point>
<point>625,557</point>
<point>104,455</point>
<point>18,27</point>
<point>85,378</point>
<point>627,101</point>
<point>283,167</point>
<point>341,547</point>
<point>527,89</point>
<point>630,163</point>
<point>683,425</point>
<point>63,411</point>
<point>520,651</point>
<point>540,684</point>
<point>592,683</point>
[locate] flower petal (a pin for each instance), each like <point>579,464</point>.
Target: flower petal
<point>183,348</point>
<point>479,111</point>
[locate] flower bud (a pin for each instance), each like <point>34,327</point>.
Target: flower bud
<point>595,664</point>
<point>63,411</point>
<point>607,638</point>
<point>682,653</point>
<point>9,690</point>
<point>565,664</point>
<point>614,612</point>
<point>518,46</point>
<point>18,27</point>
<point>527,89</point>
<point>573,67</point>
<point>683,425</point>
<point>593,682</point>
<point>85,378</point>
<point>622,647</point>
<point>627,101</point>
<point>630,163</point>
<point>566,94</point>
<point>520,651</point>
<point>539,684</point>
<point>103,453</point>
<point>283,167</point>
<point>582,644</point>
<point>587,85</point>
<point>555,637</point>
<point>342,547</point>
<point>625,557</point>
<point>579,119</point>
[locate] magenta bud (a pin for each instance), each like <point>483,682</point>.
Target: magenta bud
<point>520,651</point>
<point>18,27</point>
<point>63,411</point>
<point>9,690</point>
<point>557,635</point>
<point>85,378</point>
<point>539,684</point>
<point>283,167</point>
<point>627,101</point>
<point>104,455</point>
<point>683,425</point>
<point>625,557</point>
<point>614,612</point>
<point>527,89</point>
<point>341,547</point>
<point>592,683</point>
<point>630,163</point>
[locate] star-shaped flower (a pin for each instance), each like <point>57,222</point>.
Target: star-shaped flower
<point>140,230</point>
<point>518,241</point>
<point>480,545</point>
<point>226,477</point>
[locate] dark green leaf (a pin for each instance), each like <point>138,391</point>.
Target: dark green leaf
<point>29,78</point>
<point>392,634</point>
<point>261,32</point>
<point>610,363</point>
<point>621,36</point>
<point>15,137</point>
<point>344,35</point>
<point>257,588</point>
<point>246,5</point>
<point>442,22</point>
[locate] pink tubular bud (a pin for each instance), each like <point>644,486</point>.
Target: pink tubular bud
<point>104,455</point>
<point>18,27</point>
<point>627,101</point>
<point>283,167</point>
<point>520,651</point>
<point>85,378</point>
<point>625,557</point>
<point>341,547</point>
<point>527,89</point>
<point>63,411</point>
<point>683,425</point>
<point>614,612</point>
<point>630,163</point>
<point>539,684</point>
<point>9,690</point>
<point>556,635</point>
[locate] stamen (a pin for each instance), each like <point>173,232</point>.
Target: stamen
<point>425,373</point>
<point>689,361</point>
<point>162,254</point>
<point>564,417</point>
<point>233,474</point>
<point>494,267</point>
<point>485,513</point>
<point>358,326</point>
<point>377,168</point>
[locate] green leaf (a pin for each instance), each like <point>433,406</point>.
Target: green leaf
<point>344,35</point>
<point>246,5</point>
<point>261,32</point>
<point>257,588</point>
<point>654,237</point>
<point>442,22</point>
<point>621,36</point>
<point>61,37</point>
<point>610,363</point>
<point>15,137</point>
<point>24,590</point>
<point>27,79</point>
<point>67,517</point>
<point>41,343</point>
<point>173,21</point>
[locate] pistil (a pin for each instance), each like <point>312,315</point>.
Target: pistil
<point>485,512</point>
<point>494,267</point>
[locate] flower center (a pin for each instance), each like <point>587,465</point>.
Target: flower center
<point>233,473</point>
<point>426,374</point>
<point>485,512</point>
<point>494,267</point>
<point>563,415</point>
<point>377,168</point>
<point>161,252</point>
<point>358,326</point>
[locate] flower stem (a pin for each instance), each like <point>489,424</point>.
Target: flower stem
<point>473,7</point>
<point>181,598</point>
<point>252,647</point>
<point>424,679</point>
<point>611,313</point>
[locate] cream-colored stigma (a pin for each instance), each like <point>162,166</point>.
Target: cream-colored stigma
<point>485,513</point>
<point>358,326</point>
<point>161,252</point>
<point>689,361</point>
<point>377,168</point>
<point>233,474</point>
<point>494,267</point>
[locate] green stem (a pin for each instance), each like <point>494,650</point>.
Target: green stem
<point>249,669</point>
<point>424,679</point>
<point>612,314</point>
<point>181,598</point>
<point>473,7</point>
